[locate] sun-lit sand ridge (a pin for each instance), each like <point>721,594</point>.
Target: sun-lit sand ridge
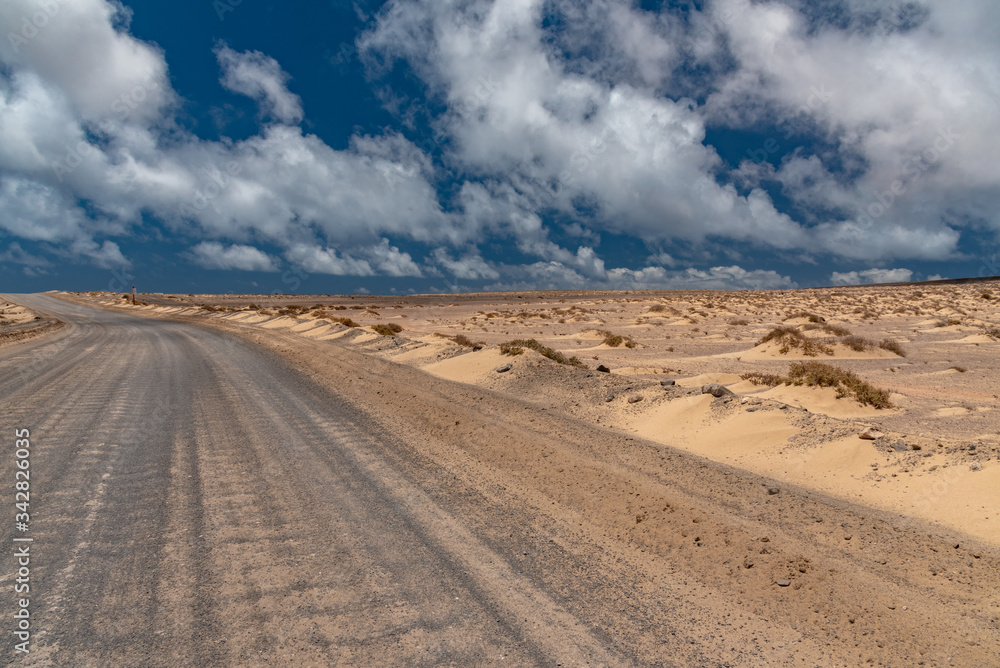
<point>931,347</point>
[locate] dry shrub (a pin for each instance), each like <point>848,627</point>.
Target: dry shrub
<point>517,346</point>
<point>812,317</point>
<point>790,337</point>
<point>739,322</point>
<point>387,329</point>
<point>615,340</point>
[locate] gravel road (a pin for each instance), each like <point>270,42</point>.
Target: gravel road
<point>198,500</point>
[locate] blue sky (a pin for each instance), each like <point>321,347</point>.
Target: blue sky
<point>240,146</point>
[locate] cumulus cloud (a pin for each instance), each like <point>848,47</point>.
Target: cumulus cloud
<point>872,276</point>
<point>591,116</point>
<point>261,78</point>
<point>214,255</point>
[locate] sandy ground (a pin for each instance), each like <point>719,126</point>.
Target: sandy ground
<point>683,529</point>
<point>18,323</point>
<point>937,458</point>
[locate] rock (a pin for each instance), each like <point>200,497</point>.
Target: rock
<point>716,390</point>
<point>476,348</point>
<point>635,398</point>
<point>783,583</point>
<point>609,398</point>
<point>972,447</point>
<point>898,446</point>
<point>668,383</point>
<point>603,369</point>
<point>870,434</point>
<point>975,466</point>
<point>773,490</point>
<point>505,368</point>
<point>915,446</point>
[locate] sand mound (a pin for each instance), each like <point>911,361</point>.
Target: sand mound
<point>821,400</point>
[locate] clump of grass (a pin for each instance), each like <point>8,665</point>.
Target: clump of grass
<point>461,339</point>
<point>615,340</point>
<point>993,332</point>
<point>947,323</point>
<point>987,295</point>
<point>812,317</point>
<point>836,330</point>
<point>761,378</point>
<point>737,322</point>
<point>517,346</point>
<point>346,322</point>
<point>208,307</point>
<point>387,329</point>
<point>818,374</point>
<point>790,337</point>
<point>960,369</point>
<point>657,308</point>
<point>892,346</point>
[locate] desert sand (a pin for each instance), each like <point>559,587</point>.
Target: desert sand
<point>936,456</point>
<point>580,435</point>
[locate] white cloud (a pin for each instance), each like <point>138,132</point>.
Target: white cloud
<point>872,276</point>
<point>214,255</point>
<point>261,78</point>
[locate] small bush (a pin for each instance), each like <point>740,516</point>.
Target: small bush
<point>760,378</point>
<point>346,322</point>
<point>826,375</point>
<point>993,332</point>
<point>388,329</point>
<point>986,295</point>
<point>462,340</point>
<point>812,317</point>
<point>615,340</point>
<point>818,374</point>
<point>892,346</point>
<point>739,322</point>
<point>960,369</point>
<point>657,308</point>
<point>517,346</point>
<point>790,337</point>
<point>836,330</point>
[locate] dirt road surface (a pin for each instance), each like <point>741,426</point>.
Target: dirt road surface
<point>202,497</point>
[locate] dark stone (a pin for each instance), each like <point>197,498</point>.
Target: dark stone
<point>476,348</point>
<point>773,490</point>
<point>505,368</point>
<point>603,369</point>
<point>716,390</point>
<point>668,383</point>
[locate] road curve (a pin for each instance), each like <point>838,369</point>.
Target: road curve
<point>195,501</point>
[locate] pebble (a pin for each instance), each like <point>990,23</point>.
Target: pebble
<point>783,583</point>
<point>603,369</point>
<point>635,398</point>
<point>773,490</point>
<point>975,466</point>
<point>870,434</point>
<point>668,383</point>
<point>505,368</point>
